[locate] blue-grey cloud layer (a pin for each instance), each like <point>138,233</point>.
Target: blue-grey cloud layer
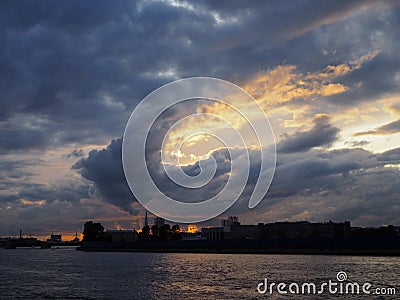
<point>72,72</point>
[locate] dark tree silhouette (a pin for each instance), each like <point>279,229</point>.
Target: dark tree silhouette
<point>165,232</point>
<point>176,233</point>
<point>155,231</point>
<point>93,232</point>
<point>145,234</point>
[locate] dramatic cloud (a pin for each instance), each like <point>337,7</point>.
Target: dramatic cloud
<point>322,134</point>
<point>104,169</point>
<point>320,179</point>
<point>71,73</point>
<point>392,155</point>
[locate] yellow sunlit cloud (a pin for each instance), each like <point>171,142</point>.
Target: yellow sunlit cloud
<point>332,89</point>
<point>29,202</point>
<point>275,90</point>
<point>285,83</point>
<point>190,140</point>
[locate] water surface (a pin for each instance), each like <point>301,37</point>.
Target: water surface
<point>70,274</point>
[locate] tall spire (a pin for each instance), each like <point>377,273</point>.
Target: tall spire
<point>146,221</point>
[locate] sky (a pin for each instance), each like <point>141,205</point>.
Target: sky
<point>327,74</point>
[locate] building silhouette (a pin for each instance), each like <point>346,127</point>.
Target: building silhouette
<point>232,229</point>
<point>146,220</point>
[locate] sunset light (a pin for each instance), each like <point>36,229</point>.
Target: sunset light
<point>175,149</point>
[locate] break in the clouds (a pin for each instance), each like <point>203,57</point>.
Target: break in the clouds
<point>71,73</point>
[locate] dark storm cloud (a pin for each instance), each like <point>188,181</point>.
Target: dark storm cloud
<point>86,64</point>
<point>104,169</point>
<point>81,66</point>
<point>322,134</point>
<point>265,19</point>
<point>57,61</point>
<point>392,155</point>
<point>355,181</point>
<point>377,78</point>
<point>365,197</point>
<point>22,138</point>
<point>346,184</point>
<point>71,73</point>
<point>319,169</point>
<point>390,128</point>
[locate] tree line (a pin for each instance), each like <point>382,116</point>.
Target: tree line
<point>165,232</point>
<point>94,232</point>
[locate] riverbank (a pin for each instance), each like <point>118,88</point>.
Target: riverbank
<point>328,247</point>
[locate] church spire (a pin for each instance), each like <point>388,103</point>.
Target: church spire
<point>146,221</point>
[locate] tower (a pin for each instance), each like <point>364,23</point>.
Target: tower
<point>146,220</point>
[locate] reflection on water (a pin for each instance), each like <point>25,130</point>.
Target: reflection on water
<point>70,274</point>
